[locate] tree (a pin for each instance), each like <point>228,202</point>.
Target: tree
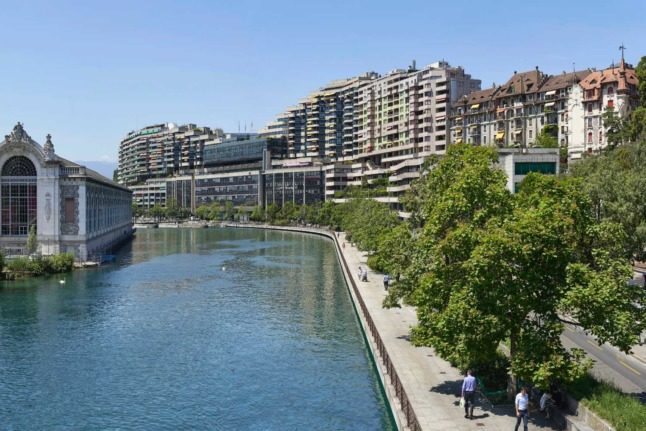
<point>136,211</point>
<point>202,212</point>
<point>640,71</point>
<point>32,240</point>
<point>366,220</point>
<point>548,137</point>
<point>615,127</point>
<point>637,125</point>
<point>616,185</point>
<point>156,212</point>
<point>490,267</point>
<point>172,209</point>
<point>257,214</point>
<point>229,211</point>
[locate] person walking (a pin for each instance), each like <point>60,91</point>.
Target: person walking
<point>522,408</point>
<point>469,394</point>
<point>386,282</point>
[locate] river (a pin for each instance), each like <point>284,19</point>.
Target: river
<point>209,329</point>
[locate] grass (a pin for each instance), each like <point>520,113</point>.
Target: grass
<point>624,412</point>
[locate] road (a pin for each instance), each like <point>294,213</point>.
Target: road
<point>627,372</point>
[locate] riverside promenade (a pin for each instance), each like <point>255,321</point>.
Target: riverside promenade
<point>423,389</point>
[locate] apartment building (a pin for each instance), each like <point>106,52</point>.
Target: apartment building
<point>514,114</point>
<point>614,88</point>
<point>161,150</point>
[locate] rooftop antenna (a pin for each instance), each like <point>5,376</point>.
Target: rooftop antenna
<point>622,48</point>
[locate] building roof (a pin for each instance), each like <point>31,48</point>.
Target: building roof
<point>20,137</point>
<point>521,83</point>
<point>563,80</point>
<point>623,75</point>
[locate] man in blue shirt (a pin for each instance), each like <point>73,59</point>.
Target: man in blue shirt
<point>468,393</point>
<point>522,408</point>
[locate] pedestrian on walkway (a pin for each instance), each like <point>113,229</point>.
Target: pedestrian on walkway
<point>386,282</point>
<point>469,394</point>
<point>522,408</point>
<point>360,273</point>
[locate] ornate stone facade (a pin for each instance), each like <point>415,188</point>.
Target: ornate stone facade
<point>72,208</point>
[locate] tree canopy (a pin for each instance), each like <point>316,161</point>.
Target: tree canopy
<point>488,267</point>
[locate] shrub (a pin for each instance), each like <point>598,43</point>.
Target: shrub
<point>59,263</point>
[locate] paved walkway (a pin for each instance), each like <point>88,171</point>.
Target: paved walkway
<point>431,384</point>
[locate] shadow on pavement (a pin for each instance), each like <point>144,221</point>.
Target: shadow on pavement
<point>484,408</point>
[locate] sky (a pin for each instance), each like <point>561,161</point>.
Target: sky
<point>88,72</point>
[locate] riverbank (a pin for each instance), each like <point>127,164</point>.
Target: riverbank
<point>422,388</point>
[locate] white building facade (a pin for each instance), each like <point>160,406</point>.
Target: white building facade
<point>72,208</point>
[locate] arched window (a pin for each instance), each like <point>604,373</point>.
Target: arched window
<point>589,137</point>
<point>18,166</point>
<point>611,90</point>
<point>18,196</point>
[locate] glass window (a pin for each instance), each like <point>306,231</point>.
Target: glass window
<point>523,168</point>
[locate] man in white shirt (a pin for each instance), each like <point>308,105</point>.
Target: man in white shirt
<point>522,408</point>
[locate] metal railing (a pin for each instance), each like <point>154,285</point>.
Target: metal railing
<point>400,392</point>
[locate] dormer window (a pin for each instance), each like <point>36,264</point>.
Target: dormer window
<point>611,90</point>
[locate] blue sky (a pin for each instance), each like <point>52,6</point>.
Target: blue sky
<point>89,72</point>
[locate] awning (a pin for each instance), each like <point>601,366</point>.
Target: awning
<point>517,132</point>
<point>476,106</point>
<point>550,93</point>
<point>473,126</point>
<point>459,141</point>
<point>500,135</point>
<point>550,104</point>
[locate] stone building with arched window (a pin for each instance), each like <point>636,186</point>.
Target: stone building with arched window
<point>72,208</point>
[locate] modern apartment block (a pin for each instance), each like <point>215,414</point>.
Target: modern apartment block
<point>322,124</point>
<point>161,150</point>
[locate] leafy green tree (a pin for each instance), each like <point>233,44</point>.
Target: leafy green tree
<point>546,139</point>
<point>615,127</point>
<point>229,211</point>
<point>393,253</point>
<point>172,209</point>
<point>616,185</point>
<point>203,212</point>
<point>365,220</point>
<point>640,71</point>
<point>136,211</point>
<point>488,267</point>
<point>32,240</point>
<point>257,214</point>
<point>156,212</point>
<point>637,125</point>
<point>271,213</point>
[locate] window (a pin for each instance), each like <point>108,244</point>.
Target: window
<point>531,134</point>
<point>589,137</point>
<point>524,168</point>
<point>611,90</point>
<point>589,122</point>
<point>589,107</point>
<point>70,213</point>
<point>611,103</point>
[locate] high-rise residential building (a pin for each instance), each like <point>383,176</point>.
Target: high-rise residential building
<point>322,124</point>
<point>368,126</point>
<point>162,150</point>
<point>405,112</point>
